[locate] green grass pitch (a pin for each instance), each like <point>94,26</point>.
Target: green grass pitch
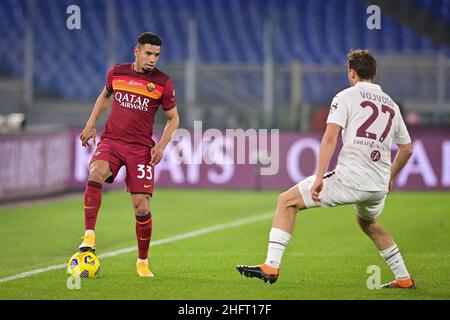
<point>327,257</point>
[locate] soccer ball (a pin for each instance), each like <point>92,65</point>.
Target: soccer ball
<point>83,265</point>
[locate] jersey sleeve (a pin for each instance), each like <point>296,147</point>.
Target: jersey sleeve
<point>401,135</point>
<point>338,111</point>
<point>109,80</point>
<point>168,97</point>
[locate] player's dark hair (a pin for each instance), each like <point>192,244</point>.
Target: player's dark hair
<point>363,62</point>
<point>150,38</point>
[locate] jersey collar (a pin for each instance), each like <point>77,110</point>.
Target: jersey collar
<point>368,85</point>
<point>142,73</point>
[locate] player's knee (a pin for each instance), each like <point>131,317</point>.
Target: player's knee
<point>286,200</point>
<point>141,206</point>
<point>282,199</point>
<point>141,209</point>
<point>98,174</point>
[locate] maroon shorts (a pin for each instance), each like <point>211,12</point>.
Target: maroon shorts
<point>136,160</point>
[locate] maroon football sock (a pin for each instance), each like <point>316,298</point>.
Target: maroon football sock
<point>92,202</point>
<point>143,234</point>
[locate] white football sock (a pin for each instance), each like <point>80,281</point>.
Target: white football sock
<point>395,261</point>
<point>278,240</point>
<point>141,260</point>
<point>89,231</point>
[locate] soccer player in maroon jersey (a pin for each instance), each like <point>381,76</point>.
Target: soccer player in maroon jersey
<point>137,90</point>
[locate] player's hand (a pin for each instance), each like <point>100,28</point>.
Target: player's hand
<point>156,154</point>
<point>86,135</point>
<point>316,188</point>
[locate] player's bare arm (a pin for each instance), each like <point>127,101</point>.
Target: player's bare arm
<point>100,106</point>
<point>171,125</point>
<point>401,158</point>
<point>327,147</point>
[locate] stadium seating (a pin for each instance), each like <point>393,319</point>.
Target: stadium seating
<point>72,63</point>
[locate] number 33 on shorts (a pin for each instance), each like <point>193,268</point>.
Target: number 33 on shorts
<point>145,171</point>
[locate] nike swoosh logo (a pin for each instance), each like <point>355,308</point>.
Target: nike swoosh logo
<point>147,186</point>
<point>89,207</point>
<point>144,239</point>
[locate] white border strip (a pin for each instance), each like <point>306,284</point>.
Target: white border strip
<point>182,236</point>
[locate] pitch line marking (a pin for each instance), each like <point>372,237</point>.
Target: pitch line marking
<point>182,236</point>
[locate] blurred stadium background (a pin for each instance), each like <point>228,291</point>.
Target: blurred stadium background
<point>235,64</point>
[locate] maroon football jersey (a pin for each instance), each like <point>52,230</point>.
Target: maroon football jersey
<point>136,98</point>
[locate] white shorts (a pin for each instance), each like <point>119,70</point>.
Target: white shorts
<point>368,204</point>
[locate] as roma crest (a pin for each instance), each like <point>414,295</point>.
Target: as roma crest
<point>150,86</point>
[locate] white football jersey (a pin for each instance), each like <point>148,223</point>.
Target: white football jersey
<point>371,122</point>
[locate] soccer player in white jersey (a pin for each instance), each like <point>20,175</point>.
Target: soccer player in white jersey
<point>369,122</point>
